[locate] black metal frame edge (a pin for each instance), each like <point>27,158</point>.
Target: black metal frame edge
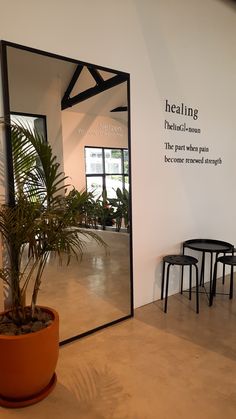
<point>10,192</point>
<point>130,197</point>
<point>29,114</point>
<point>108,148</point>
<point>61,57</point>
<point>9,167</point>
<point>96,329</point>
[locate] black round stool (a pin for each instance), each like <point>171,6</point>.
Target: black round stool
<point>226,260</point>
<point>232,252</point>
<point>182,260</point>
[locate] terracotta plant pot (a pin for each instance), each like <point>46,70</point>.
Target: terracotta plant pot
<point>27,365</point>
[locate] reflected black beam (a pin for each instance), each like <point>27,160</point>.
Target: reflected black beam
<point>96,75</point>
<point>120,109</point>
<point>105,85</point>
<point>72,83</point>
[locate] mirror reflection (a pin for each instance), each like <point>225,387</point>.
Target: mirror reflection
<point>82,110</point>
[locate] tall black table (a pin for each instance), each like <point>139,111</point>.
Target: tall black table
<point>208,246</point>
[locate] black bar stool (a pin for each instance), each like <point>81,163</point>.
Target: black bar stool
<point>232,252</point>
<point>226,260</point>
<point>181,260</point>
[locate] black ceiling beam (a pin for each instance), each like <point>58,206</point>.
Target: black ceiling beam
<point>72,83</point>
<point>86,94</point>
<point>120,109</point>
<point>96,75</point>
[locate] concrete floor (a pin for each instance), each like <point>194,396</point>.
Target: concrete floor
<point>156,365</point>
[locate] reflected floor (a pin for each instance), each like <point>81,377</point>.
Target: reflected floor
<point>91,292</point>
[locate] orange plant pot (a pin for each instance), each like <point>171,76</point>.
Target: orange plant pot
<point>27,365</point>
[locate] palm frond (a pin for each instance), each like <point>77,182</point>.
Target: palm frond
<point>42,219</point>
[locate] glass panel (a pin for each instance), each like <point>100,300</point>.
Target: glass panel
<point>126,179</point>
<point>113,161</point>
<point>101,282</point>
<point>93,160</point>
<point>126,161</point>
<point>33,122</point>
<point>94,184</point>
<point>112,183</point>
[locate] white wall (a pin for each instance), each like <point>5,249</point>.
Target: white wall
<point>180,50</point>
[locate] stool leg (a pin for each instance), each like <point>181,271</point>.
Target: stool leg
<point>163,280</point>
<point>211,267</point>
<point>202,269</point>
<point>182,280</point>
<point>197,293</point>
<point>167,284</point>
<point>223,277</point>
<point>190,282</point>
<point>213,287</point>
<point>231,282</point>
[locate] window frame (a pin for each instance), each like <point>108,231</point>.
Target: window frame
<point>34,115</point>
<point>103,175</point>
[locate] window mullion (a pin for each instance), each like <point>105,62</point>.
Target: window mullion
<point>123,168</point>
<point>103,169</point>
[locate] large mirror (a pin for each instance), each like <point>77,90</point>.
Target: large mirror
<point>83,112</point>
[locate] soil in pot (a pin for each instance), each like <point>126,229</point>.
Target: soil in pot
<point>25,323</point>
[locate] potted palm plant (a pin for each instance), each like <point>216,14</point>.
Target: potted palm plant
<point>121,206</point>
<point>40,223</point>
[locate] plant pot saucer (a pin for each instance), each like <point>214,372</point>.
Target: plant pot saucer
<point>11,403</point>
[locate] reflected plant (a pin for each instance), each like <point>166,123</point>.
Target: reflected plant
<point>40,222</point>
<point>92,212</point>
<point>82,204</point>
<point>121,206</point>
<point>105,212</point>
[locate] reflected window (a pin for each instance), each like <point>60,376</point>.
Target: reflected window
<point>31,122</point>
<point>113,161</point>
<point>94,160</point>
<point>95,185</point>
<point>106,169</point>
<point>37,122</point>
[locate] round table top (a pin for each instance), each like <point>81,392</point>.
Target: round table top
<point>209,245</point>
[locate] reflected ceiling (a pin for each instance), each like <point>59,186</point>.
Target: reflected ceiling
<point>100,104</point>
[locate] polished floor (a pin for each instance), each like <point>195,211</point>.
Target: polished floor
<point>178,365</point>
<point>91,292</point>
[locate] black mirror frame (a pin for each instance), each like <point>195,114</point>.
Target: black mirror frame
<point>10,199</point>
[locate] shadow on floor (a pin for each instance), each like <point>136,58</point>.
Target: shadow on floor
<point>88,393</point>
